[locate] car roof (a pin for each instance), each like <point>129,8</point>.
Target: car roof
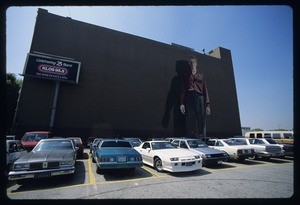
<point>55,139</point>
<point>36,132</point>
<point>185,139</point>
<point>113,139</point>
<point>157,141</point>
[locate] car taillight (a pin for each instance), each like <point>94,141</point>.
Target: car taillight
<point>135,159</point>
<point>104,159</point>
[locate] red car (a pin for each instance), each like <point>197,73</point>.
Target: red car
<point>79,144</point>
<point>30,139</point>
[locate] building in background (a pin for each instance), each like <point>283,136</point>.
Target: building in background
<point>128,85</point>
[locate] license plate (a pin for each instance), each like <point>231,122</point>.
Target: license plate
<point>43,175</point>
<point>219,162</point>
<point>121,159</point>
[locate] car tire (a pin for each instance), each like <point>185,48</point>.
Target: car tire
<point>158,164</point>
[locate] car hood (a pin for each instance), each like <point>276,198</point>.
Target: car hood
<point>117,151</point>
<point>176,152</point>
<point>54,155</point>
<point>207,150</point>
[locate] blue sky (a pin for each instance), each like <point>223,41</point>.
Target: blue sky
<point>260,39</point>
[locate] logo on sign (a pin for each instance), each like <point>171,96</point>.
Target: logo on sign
<point>53,70</point>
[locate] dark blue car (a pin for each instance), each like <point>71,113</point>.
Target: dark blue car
<point>116,154</point>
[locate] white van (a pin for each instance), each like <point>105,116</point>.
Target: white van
<point>281,137</point>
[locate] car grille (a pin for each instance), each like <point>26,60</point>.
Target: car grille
<point>217,155</point>
<point>273,149</point>
<point>39,165</point>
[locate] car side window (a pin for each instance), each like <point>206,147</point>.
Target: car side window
<point>146,145</point>
<point>210,143</point>
<point>175,143</point>
<point>183,144</point>
<point>219,144</point>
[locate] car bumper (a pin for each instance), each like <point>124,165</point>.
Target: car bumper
<point>245,155</point>
<point>115,165</point>
<point>218,160</point>
<point>270,154</point>
<point>182,166</point>
<point>16,175</point>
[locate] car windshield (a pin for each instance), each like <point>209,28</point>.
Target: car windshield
<point>33,137</point>
<point>115,143</point>
<point>162,145</point>
<point>54,145</point>
<point>256,141</point>
<point>196,143</point>
<point>234,142</point>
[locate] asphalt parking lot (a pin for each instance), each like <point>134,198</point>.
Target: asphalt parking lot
<point>250,179</point>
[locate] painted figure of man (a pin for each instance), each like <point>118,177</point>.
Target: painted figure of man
<point>194,100</point>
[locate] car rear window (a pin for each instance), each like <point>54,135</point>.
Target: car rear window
<point>115,144</point>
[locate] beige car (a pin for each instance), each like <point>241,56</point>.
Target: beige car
<point>235,150</point>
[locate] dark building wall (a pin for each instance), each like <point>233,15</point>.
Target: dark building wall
<point>127,84</point>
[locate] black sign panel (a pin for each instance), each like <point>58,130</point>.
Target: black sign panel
<point>52,68</point>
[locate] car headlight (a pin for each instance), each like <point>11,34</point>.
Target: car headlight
<point>174,159</point>
<point>21,166</point>
<point>225,154</point>
<point>68,163</point>
<point>197,157</point>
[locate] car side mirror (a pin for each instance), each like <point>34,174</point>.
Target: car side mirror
<point>148,149</point>
<point>76,148</point>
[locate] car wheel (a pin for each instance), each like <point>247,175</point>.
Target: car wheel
<point>158,164</point>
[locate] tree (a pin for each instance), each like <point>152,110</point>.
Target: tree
<point>13,86</point>
<point>257,129</point>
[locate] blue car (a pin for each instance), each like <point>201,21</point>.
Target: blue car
<point>116,154</point>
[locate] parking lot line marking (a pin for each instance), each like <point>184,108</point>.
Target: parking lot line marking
<point>151,172</point>
<point>91,174</point>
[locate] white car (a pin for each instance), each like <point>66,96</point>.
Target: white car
<point>287,148</point>
<point>209,155</point>
<point>236,151</point>
<point>262,149</point>
<point>162,155</point>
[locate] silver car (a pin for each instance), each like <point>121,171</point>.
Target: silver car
<point>209,155</point>
<point>50,157</point>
